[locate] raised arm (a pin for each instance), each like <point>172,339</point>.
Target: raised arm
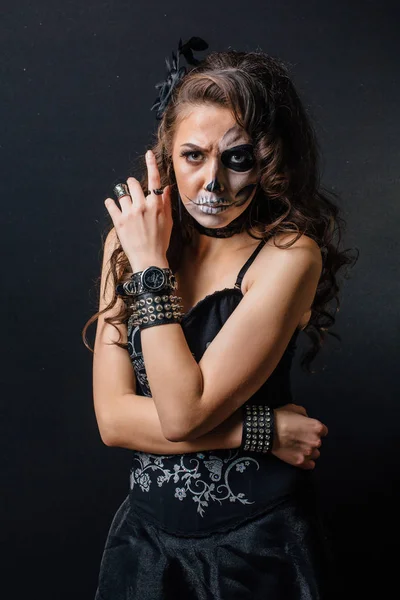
<point>124,418</point>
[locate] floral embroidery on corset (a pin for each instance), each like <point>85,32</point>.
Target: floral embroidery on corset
<point>215,469</point>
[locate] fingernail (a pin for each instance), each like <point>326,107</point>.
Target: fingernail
<point>148,154</point>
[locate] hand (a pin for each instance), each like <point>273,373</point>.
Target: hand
<point>144,223</point>
<point>297,437</point>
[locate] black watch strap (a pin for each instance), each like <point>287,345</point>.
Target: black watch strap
<point>134,286</point>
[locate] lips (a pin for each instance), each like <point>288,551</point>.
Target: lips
<point>211,205</point>
<point>212,210</point>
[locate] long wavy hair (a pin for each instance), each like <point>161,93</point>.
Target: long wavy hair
<point>257,89</point>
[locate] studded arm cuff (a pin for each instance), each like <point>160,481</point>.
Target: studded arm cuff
<point>258,428</point>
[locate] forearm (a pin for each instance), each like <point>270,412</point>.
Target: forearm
<point>136,426</point>
<point>174,377</point>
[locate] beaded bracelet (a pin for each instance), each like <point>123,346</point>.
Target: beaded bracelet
<point>258,428</point>
<point>156,308</point>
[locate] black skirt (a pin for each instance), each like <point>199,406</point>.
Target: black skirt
<point>280,554</point>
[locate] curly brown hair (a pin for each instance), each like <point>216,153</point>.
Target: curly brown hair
<point>257,88</point>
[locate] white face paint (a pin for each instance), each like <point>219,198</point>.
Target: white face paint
<point>215,168</point>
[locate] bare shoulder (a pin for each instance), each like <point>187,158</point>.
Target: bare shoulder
<point>303,250</point>
<point>304,241</point>
<point>274,260</point>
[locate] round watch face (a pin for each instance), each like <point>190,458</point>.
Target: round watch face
<point>153,278</point>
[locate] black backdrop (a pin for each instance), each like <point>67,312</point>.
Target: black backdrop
<point>77,83</point>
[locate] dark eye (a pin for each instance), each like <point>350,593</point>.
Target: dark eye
<point>238,160</point>
<point>241,158</point>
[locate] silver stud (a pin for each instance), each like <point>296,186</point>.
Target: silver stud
<point>152,318</point>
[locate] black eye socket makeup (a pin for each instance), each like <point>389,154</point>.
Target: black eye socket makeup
<point>240,158</point>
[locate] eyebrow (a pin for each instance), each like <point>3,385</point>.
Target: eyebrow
<point>238,135</point>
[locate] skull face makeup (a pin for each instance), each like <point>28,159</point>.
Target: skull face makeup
<point>214,164</point>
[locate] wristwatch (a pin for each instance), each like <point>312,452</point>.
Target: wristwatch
<point>152,279</point>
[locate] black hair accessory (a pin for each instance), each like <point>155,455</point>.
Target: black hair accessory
<point>175,73</point>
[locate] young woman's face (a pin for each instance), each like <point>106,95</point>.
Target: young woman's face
<point>215,168</point>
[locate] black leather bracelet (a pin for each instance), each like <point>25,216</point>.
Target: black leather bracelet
<point>258,428</point>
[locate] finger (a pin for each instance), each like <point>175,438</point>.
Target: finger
<point>136,192</point>
<point>167,197</point>
<point>125,201</point>
<point>324,430</point>
<point>112,208</point>
<point>153,175</point>
<point>309,465</point>
<point>315,454</point>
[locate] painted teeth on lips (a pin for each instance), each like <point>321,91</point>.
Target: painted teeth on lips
<point>217,203</point>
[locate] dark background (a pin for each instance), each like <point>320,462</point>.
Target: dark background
<point>77,83</point>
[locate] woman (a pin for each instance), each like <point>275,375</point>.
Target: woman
<point>216,260</point>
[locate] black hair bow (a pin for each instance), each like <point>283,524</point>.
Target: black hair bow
<point>175,73</point>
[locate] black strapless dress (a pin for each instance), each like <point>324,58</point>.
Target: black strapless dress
<point>216,525</point>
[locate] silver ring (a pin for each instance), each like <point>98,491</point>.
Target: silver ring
<point>121,189</point>
<point>158,192</point>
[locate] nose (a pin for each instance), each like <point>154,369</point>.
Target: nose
<point>215,183</point>
<point>214,186</point>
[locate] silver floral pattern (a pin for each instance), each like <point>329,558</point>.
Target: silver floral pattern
<point>205,480</point>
